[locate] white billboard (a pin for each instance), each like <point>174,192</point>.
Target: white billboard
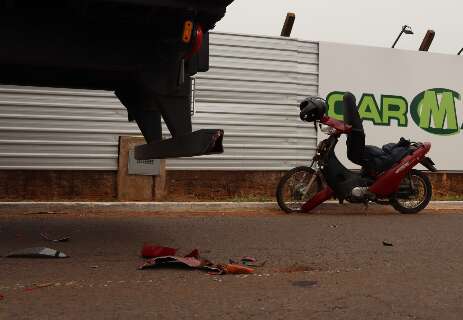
<point>410,94</point>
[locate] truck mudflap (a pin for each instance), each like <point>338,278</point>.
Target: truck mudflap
<point>201,142</point>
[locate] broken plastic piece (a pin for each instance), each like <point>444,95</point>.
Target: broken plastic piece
<point>58,239</point>
<point>245,260</point>
<point>248,260</point>
<point>194,254</point>
<point>234,269</point>
<point>251,262</point>
<point>190,262</point>
<point>37,252</point>
<point>387,244</point>
<point>2,296</point>
<point>153,251</point>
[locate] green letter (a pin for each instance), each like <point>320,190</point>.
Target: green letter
<point>368,109</point>
<point>394,107</point>
<point>431,115</point>
<point>335,105</point>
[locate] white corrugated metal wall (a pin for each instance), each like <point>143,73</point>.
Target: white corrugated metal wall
<point>252,91</point>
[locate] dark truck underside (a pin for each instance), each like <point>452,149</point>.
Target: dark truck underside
<point>134,48</point>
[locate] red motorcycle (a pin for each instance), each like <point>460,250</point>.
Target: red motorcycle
<point>387,176</point>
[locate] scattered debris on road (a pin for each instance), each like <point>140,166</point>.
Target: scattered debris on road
<point>194,261</point>
<point>56,239</point>
<point>191,260</point>
<point>252,262</point>
<point>39,286</point>
<point>154,251</point>
<point>387,244</point>
<point>37,252</point>
<point>249,262</point>
<point>194,254</point>
<point>234,269</point>
<point>246,260</point>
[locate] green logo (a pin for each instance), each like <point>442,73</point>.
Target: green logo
<point>432,110</point>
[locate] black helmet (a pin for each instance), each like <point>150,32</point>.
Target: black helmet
<point>312,108</point>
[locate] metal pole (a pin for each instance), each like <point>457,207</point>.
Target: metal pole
<point>459,52</point>
<point>398,37</point>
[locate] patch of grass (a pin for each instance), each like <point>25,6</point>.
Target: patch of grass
<point>448,197</point>
<point>252,199</point>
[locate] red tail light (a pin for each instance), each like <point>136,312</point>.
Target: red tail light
<point>197,42</point>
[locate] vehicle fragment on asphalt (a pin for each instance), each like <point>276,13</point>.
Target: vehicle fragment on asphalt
<point>249,262</point>
<point>154,251</point>
<point>37,252</point>
<point>194,261</point>
<point>387,244</point>
<point>231,268</point>
<point>252,262</point>
<point>191,260</point>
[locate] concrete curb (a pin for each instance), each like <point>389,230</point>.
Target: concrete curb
<point>134,207</point>
<point>147,207</point>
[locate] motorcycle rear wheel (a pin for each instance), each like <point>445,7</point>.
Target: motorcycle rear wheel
<point>292,190</point>
<point>421,197</point>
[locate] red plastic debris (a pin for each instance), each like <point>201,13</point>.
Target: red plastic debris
<point>235,269</point>
<point>172,260</point>
<point>247,259</point>
<point>193,254</point>
<point>194,261</point>
<point>2,296</point>
<point>154,251</point>
<point>191,260</point>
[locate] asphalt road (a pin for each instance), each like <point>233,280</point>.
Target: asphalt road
<point>322,266</point>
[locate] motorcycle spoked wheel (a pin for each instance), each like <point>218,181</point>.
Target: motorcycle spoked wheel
<point>291,190</point>
<point>420,196</point>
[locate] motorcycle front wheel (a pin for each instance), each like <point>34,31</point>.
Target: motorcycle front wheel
<point>294,190</point>
<point>420,193</point>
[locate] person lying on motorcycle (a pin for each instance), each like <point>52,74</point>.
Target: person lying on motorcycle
<point>373,159</point>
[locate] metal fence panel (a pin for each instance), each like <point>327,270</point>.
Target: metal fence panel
<point>251,90</point>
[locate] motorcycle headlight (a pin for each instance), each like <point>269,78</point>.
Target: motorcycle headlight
<point>327,129</point>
